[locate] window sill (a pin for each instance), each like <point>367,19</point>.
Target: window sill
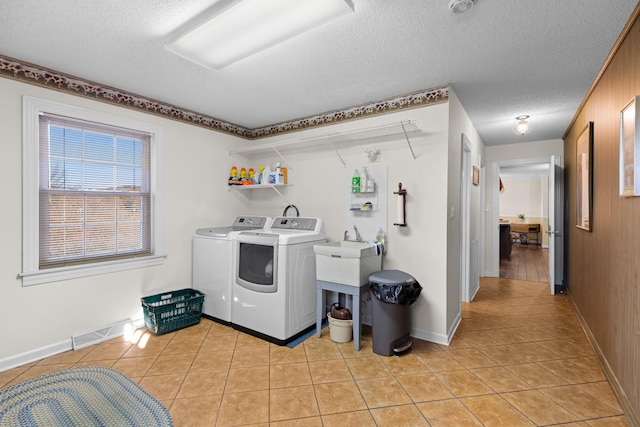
<point>65,273</point>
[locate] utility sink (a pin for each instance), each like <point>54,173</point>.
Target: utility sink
<point>346,262</point>
<point>345,249</point>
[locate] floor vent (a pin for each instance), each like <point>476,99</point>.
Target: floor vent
<point>105,333</point>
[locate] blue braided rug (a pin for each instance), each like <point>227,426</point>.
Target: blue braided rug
<point>87,396</point>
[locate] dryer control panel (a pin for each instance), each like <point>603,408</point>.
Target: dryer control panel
<point>302,224</point>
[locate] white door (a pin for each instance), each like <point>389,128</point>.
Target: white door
<point>556,224</point>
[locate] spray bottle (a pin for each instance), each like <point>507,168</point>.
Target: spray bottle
<point>364,180</point>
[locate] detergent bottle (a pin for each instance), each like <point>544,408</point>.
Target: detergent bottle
<point>267,176</point>
<point>279,176</point>
<point>233,176</point>
<point>260,176</point>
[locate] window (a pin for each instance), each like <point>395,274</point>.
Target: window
<point>91,193</point>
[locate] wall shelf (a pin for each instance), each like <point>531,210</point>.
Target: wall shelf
<point>274,187</point>
<point>257,186</point>
<point>359,199</point>
<point>405,128</point>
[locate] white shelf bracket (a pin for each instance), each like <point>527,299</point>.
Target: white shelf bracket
<point>284,161</point>
<point>281,196</point>
<point>335,149</point>
<point>408,142</point>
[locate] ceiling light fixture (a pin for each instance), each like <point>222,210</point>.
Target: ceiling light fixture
<point>460,6</point>
<point>246,27</point>
<point>522,127</point>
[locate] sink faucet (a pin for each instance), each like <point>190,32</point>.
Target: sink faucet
<point>358,236</point>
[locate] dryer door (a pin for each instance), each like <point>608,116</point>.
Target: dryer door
<point>257,261</point>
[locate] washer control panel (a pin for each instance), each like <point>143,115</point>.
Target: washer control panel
<point>250,222</point>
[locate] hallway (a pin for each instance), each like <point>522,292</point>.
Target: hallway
<point>518,358</point>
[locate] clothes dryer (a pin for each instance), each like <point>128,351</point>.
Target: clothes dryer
<point>274,292</point>
<point>212,265</point>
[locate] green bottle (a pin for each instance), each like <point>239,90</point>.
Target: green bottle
<point>355,182</point>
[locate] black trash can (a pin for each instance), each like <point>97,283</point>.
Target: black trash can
<point>393,293</point>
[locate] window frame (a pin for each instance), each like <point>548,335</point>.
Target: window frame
<point>31,273</point>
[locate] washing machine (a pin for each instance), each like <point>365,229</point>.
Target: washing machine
<point>274,292</point>
<point>213,260</point>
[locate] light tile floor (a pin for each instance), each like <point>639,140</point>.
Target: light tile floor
<point>519,358</point>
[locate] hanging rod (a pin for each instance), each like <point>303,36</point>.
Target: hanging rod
<point>406,126</point>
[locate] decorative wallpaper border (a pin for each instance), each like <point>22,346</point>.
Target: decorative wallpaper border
<point>40,76</point>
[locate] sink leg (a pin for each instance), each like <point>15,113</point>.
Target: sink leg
<point>357,326</point>
<point>319,310</point>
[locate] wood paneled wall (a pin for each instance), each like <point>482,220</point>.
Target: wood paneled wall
<point>603,266</point>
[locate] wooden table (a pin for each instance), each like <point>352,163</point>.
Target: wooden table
<point>521,231</point>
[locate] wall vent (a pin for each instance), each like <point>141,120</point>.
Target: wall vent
<point>105,333</point>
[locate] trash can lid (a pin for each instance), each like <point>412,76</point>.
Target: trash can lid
<point>391,277</point>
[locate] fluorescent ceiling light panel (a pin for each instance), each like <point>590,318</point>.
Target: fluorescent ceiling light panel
<point>250,26</point>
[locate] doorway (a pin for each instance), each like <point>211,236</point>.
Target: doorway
<point>523,205</point>
<point>530,252</point>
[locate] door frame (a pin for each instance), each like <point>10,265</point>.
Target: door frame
<point>495,202</point>
<point>466,292</point>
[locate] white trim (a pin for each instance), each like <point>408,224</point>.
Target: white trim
<point>454,327</point>
<point>494,256</point>
<point>475,290</point>
<point>438,338</point>
<point>47,351</point>
<point>31,274</point>
<point>465,218</point>
<point>39,277</point>
<point>35,355</point>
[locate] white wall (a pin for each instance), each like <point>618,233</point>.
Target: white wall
<point>502,155</point>
<point>523,194</point>
<point>460,124</point>
<point>319,190</point>
<point>42,318</point>
<point>36,317</point>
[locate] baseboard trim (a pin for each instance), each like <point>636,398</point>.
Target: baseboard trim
<point>441,339</point>
<point>35,355</point>
<point>46,351</point>
<point>454,326</point>
<point>629,412</point>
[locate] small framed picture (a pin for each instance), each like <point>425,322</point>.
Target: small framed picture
<point>584,179</point>
<point>629,149</point>
<point>476,176</point>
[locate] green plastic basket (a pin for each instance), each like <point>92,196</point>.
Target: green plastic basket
<point>172,310</point>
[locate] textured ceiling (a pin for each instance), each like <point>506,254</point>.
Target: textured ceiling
<point>502,58</point>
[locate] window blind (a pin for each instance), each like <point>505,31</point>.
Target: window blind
<point>94,195</point>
